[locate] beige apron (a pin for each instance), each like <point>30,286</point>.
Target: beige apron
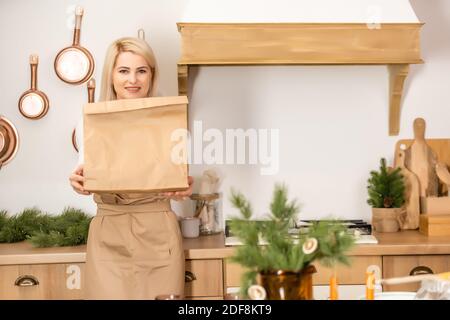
<point>134,248</point>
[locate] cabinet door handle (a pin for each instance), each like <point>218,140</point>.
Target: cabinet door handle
<point>420,270</point>
<point>26,281</point>
<point>189,276</point>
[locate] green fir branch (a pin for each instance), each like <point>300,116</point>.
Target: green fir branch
<point>70,228</point>
<point>283,251</point>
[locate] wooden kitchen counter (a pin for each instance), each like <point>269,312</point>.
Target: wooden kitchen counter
<point>204,247</point>
<point>213,247</point>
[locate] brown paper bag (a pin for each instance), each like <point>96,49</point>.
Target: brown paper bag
<point>128,145</point>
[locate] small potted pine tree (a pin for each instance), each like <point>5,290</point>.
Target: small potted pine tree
<point>386,190</point>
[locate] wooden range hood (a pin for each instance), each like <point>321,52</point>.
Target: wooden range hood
<point>396,45</point>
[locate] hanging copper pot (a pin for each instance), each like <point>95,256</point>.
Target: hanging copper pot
<point>91,90</point>
<point>9,141</point>
<point>75,64</point>
<point>33,104</point>
<point>74,140</point>
<point>91,99</point>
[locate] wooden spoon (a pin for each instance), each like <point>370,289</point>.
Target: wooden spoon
<point>412,195</point>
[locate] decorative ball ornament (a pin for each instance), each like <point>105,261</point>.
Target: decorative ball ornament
<point>310,245</point>
<point>257,292</point>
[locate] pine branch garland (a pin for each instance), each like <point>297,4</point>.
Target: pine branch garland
<point>3,218</point>
<point>43,230</point>
<point>21,226</point>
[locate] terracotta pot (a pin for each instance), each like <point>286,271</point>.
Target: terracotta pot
<point>386,219</point>
<point>288,285</point>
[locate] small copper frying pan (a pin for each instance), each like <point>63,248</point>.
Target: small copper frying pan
<point>74,64</point>
<point>9,141</point>
<point>33,104</point>
<point>91,99</point>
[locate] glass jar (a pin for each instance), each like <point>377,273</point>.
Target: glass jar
<point>206,209</point>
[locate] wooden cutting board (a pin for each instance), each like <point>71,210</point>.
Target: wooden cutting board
<point>421,160</point>
<point>412,195</point>
<point>443,174</point>
<point>441,148</point>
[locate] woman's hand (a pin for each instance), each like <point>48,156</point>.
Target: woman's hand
<point>181,195</point>
<point>77,180</point>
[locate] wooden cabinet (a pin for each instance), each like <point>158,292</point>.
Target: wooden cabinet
<point>354,275</point>
<point>402,266</point>
<point>41,281</point>
<point>204,279</point>
<point>209,278</point>
<point>58,273</point>
<point>347,275</point>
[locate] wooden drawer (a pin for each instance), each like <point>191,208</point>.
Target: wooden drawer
<point>206,278</point>
<point>41,281</point>
<point>355,274</point>
<point>233,272</point>
<point>402,266</point>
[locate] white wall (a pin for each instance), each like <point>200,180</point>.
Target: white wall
<point>38,175</point>
<point>333,120</point>
<point>348,11</point>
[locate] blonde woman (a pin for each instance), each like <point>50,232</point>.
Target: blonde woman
<point>134,248</point>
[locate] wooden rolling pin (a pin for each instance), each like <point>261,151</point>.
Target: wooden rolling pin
<point>410,279</point>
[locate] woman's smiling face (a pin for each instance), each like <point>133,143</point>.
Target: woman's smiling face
<point>131,76</point>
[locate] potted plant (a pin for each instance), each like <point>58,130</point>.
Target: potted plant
<point>386,190</point>
<point>282,263</point>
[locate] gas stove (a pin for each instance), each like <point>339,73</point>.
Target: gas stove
<point>361,230</point>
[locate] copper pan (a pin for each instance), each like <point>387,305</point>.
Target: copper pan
<point>75,64</point>
<point>4,141</point>
<point>33,104</point>
<point>74,140</point>
<point>91,99</point>
<point>9,141</point>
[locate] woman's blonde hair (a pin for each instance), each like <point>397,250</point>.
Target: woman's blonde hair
<point>128,44</point>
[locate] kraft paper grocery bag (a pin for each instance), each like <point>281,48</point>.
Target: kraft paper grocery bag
<point>128,145</point>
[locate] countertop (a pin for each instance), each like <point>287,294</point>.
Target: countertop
<point>213,247</point>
